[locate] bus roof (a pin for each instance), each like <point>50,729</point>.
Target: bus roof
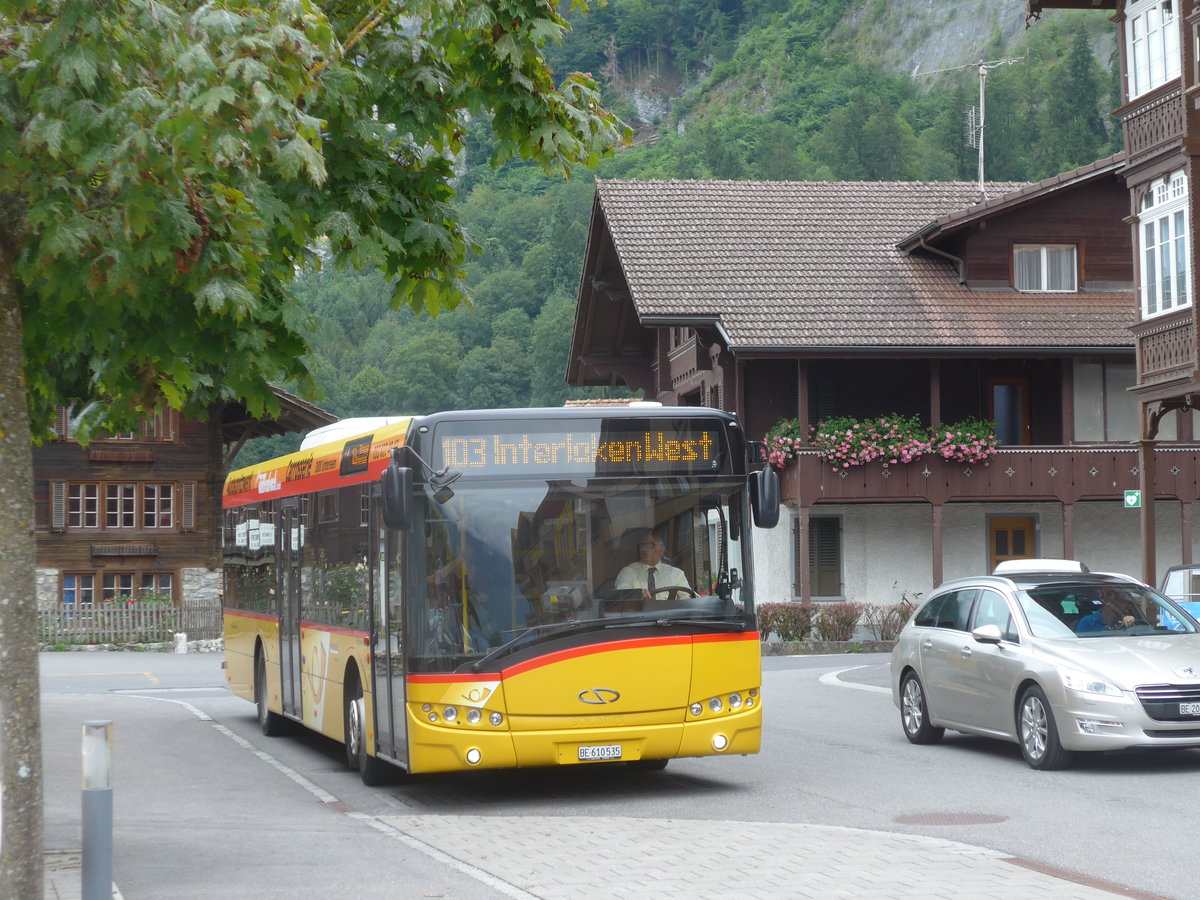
<point>349,459</point>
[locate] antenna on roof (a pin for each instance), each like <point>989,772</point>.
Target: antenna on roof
<point>974,117</point>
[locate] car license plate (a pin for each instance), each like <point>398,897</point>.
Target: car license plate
<point>600,751</point>
<point>1189,709</point>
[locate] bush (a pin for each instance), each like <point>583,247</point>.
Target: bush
<point>791,621</point>
<point>836,621</point>
<point>883,623</point>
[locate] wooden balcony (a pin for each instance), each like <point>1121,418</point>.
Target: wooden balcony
<point>1166,347</point>
<point>1153,123</point>
<point>1064,474</point>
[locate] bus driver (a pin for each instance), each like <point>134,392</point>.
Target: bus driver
<point>650,573</point>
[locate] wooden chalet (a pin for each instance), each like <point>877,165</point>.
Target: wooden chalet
<point>1159,43</point>
<point>139,514</point>
<point>817,300</point>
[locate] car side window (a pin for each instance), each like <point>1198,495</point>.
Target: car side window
<point>992,609</point>
<point>927,615</point>
<point>950,610</point>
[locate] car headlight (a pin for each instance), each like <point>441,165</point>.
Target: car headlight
<point>1075,680</point>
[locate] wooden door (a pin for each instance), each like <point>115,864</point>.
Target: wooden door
<point>1010,538</point>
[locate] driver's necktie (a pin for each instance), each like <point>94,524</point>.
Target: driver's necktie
<point>650,579</point>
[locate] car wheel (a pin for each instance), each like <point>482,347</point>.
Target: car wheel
<point>373,771</point>
<point>914,713</point>
<point>1038,734</point>
<point>271,723</point>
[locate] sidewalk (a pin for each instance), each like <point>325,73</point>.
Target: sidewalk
<point>570,858</point>
<point>64,871</point>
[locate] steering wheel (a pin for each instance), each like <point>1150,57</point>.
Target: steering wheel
<point>672,588</point>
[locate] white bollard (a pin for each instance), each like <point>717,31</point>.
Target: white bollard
<point>181,642</point>
<point>97,810</point>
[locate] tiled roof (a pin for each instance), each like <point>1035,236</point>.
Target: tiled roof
<point>815,264</point>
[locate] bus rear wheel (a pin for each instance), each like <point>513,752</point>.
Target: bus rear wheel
<point>271,723</point>
<point>372,770</point>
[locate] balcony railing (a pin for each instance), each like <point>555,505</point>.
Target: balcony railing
<point>1166,348</point>
<point>1065,474</point>
<point>1152,124</point>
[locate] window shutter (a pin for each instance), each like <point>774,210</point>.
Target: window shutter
<point>58,506</point>
<point>187,507</point>
<point>798,547</point>
<point>825,555</point>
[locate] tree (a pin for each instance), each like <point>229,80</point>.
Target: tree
<point>494,377</point>
<point>165,169</point>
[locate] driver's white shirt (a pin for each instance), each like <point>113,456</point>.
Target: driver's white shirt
<point>634,576</point>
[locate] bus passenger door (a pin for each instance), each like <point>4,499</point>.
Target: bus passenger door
<point>290,540</point>
<point>387,654</point>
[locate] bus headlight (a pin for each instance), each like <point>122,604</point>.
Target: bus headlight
<point>473,716</point>
<point>495,718</point>
<point>720,742</point>
<point>696,709</point>
<point>735,701</point>
<point>450,713</point>
<point>474,756</point>
<point>715,704</point>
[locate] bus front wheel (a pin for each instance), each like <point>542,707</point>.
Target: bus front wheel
<point>271,723</point>
<point>373,771</point>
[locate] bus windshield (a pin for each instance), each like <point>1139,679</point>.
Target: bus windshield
<point>528,559</point>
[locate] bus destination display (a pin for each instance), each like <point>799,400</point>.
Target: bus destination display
<point>608,448</point>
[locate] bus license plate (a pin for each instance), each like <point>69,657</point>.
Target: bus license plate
<point>600,751</point>
<point>1189,709</point>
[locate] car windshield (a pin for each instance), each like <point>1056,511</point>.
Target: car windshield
<point>1089,610</point>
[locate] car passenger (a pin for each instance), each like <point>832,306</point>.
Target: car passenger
<point>1113,614</point>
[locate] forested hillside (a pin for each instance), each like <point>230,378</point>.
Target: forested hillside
<point>743,89</point>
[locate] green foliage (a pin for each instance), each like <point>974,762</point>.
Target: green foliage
<point>171,168</point>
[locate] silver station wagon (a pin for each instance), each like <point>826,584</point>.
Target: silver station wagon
<point>1053,657</point>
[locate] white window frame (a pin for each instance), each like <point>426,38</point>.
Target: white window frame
<point>1044,253</point>
<point>83,504</point>
<point>79,587</point>
<point>158,505</point>
<point>1164,247</point>
<point>120,505</point>
<point>1151,44</point>
<point>117,586</point>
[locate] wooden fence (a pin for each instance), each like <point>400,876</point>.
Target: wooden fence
<point>125,623</point>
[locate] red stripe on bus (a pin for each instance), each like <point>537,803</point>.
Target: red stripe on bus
<point>724,638</point>
<point>577,652</point>
<point>450,678</point>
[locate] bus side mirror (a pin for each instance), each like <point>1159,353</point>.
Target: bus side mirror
<point>764,497</point>
<point>397,496</point>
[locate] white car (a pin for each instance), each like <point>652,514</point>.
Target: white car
<point>1054,658</point>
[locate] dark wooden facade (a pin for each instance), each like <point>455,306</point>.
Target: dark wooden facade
<point>1161,128</point>
<point>961,326</point>
<point>178,464</point>
<point>140,514</point>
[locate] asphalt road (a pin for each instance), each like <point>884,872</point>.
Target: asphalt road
<point>223,797</point>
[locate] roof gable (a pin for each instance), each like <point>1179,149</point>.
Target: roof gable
<point>815,265</point>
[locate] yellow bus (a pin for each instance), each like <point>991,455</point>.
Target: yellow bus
<point>451,591</point>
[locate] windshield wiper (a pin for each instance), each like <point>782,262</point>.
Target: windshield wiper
<point>532,631</point>
<point>715,624</point>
